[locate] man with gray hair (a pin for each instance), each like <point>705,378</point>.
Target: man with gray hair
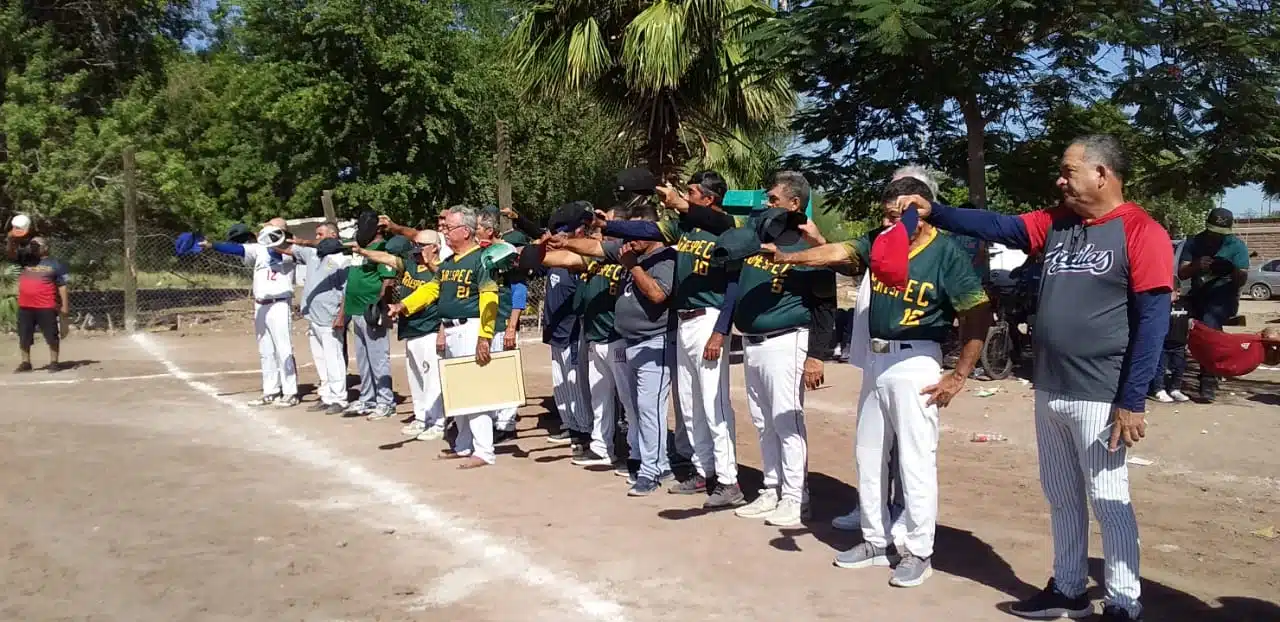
<point>326,280</point>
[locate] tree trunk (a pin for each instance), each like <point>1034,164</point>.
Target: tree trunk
<point>976,127</point>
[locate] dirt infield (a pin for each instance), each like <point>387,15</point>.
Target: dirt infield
<point>137,488</point>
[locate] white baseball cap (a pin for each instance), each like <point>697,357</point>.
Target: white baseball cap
<point>271,236</point>
<point>21,221</point>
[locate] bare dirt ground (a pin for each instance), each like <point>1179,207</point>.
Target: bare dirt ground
<point>135,487</point>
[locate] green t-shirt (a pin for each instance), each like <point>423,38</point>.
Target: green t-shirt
<point>941,282</point>
<point>460,286</point>
<point>602,288</point>
<point>1212,288</point>
<point>776,297</point>
<point>699,284</point>
<point>427,320</point>
<point>364,283</point>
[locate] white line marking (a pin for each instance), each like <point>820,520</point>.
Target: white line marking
<point>486,550</point>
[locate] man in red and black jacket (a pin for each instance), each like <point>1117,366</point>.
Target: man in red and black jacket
<point>1102,317</point>
<point>43,300</point>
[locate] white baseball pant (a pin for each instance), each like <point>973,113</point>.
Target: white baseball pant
<point>475,432</point>
<point>891,408</point>
<point>1076,471</point>
<point>774,370</point>
<point>422,362</point>
<point>564,386</point>
<point>271,325</point>
<point>606,380</point>
<point>704,398</point>
<point>504,419</point>
<point>327,350</point>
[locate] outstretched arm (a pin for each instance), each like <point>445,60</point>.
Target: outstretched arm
<point>570,261</point>
<point>582,246</point>
<point>381,257</point>
<point>1026,232</point>
<point>395,229</point>
<point>817,257</point>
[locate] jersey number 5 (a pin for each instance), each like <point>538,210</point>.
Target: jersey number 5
<point>911,317</point>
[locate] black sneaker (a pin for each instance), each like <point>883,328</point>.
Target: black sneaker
<point>317,407</point>
<point>563,437</point>
<point>54,367</point>
<point>1051,604</point>
<point>502,436</point>
<point>591,458</point>
<point>23,368</point>
<point>643,487</point>
<point>725,496</point>
<point>1112,613</point>
<point>693,486</point>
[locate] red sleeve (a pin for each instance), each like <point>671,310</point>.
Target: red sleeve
<point>1037,224</point>
<point>1150,253</point>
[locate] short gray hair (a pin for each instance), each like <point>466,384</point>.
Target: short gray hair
<point>487,220</point>
<point>795,183</point>
<point>1106,150</point>
<point>331,227</point>
<point>467,215</point>
<point>915,171</point>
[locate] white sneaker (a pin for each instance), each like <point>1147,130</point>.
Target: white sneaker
<point>380,412</point>
<point>1179,396</point>
<point>848,522</point>
<point>786,515</point>
<point>265,400</point>
<point>763,506</point>
<point>414,428</point>
<point>1163,397</point>
<point>432,433</point>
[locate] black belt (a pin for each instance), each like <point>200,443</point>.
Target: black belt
<point>759,339</point>
<point>267,301</point>
<point>690,314</point>
<point>452,323</point>
<point>885,346</point>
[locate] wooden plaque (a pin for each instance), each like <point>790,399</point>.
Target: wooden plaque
<point>468,388</point>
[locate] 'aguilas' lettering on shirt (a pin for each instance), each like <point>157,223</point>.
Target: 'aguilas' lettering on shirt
<point>1088,259</point>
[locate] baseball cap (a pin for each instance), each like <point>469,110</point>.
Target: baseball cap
<point>735,245</point>
<point>636,180</point>
<point>1220,220</point>
<point>398,246</point>
<point>329,246</point>
<point>366,227</point>
<point>515,238</point>
<point>570,216</point>
<point>187,244</point>
<point>240,233</point>
<point>773,222</point>
<point>272,236</point>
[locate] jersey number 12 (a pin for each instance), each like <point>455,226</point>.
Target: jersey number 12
<point>911,317</point>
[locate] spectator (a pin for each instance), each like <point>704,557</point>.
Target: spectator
<point>1217,263</point>
<point>43,300</point>
<point>1166,386</point>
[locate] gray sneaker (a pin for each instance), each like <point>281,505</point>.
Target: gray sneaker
<point>864,555</point>
<point>355,409</point>
<point>381,412</point>
<point>911,571</point>
<point>265,400</point>
<point>335,409</point>
<point>725,496</point>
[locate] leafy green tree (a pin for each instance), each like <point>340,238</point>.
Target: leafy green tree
<point>671,73</point>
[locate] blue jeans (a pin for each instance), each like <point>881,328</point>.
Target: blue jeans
<point>373,360</point>
<point>1169,369</point>
<point>649,363</point>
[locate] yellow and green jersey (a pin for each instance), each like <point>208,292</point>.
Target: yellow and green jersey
<point>426,321</point>
<point>775,296</point>
<point>699,284</point>
<point>941,282</point>
<point>602,286</point>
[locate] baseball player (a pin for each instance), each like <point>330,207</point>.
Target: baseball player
<point>272,312</point>
<point>326,266</point>
<point>369,285</point>
<point>786,315</point>
<point>513,294</point>
<point>1102,317</point>
<point>418,331</point>
<point>906,328</point>
<point>703,314</point>
<point>468,309</point>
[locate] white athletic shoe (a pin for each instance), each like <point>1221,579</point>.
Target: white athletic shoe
<point>433,433</point>
<point>1163,397</point>
<point>1179,396</point>
<point>380,412</point>
<point>787,514</point>
<point>288,401</point>
<point>265,400</point>
<point>414,428</point>
<point>848,522</point>
<point>763,506</point>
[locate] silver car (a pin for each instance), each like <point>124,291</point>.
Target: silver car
<point>1264,280</point>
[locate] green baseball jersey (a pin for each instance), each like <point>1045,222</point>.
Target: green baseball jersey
<point>941,282</point>
<point>776,297</point>
<point>364,283</point>
<point>601,290</point>
<point>427,320</point>
<point>699,284</point>
<point>460,286</point>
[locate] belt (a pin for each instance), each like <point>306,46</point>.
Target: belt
<point>759,339</point>
<point>268,301</point>
<point>452,323</point>
<point>885,346</point>
<point>690,314</point>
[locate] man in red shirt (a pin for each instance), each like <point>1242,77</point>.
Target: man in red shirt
<point>42,299</point>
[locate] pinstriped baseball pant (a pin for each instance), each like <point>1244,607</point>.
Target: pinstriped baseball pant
<point>1076,471</point>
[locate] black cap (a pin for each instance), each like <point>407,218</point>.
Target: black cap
<point>637,181</point>
<point>1220,220</point>
<point>775,221</point>
<point>570,216</point>
<point>240,233</point>
<point>366,227</point>
<point>329,246</point>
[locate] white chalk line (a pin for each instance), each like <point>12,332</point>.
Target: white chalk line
<point>496,558</point>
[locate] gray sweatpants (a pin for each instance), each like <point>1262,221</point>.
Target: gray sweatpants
<point>373,361</point>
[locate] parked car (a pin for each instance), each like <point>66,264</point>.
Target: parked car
<point>1264,280</point>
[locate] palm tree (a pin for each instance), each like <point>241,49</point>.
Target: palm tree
<point>670,71</point>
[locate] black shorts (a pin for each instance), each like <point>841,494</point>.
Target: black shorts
<point>45,319</point>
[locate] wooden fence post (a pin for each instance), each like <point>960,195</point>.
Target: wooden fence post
<point>130,242</point>
<point>504,172</point>
<point>326,200</point>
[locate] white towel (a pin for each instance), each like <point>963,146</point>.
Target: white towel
<point>860,325</point>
